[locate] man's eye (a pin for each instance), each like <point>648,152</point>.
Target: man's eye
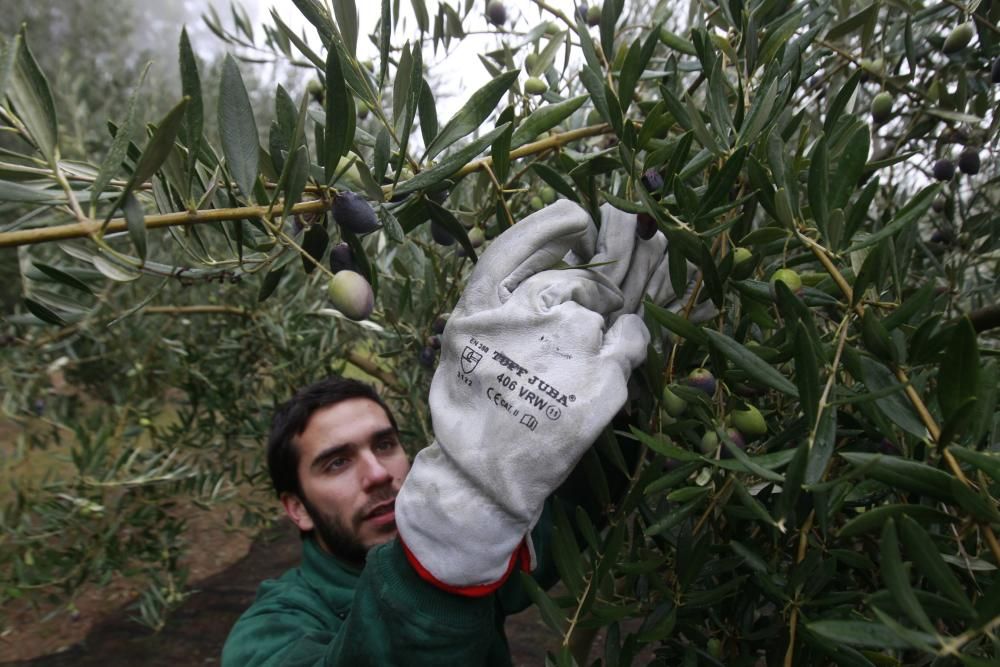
<point>336,463</point>
<point>386,445</point>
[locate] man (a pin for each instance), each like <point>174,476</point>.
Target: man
<point>336,460</point>
<point>337,464</point>
<point>414,566</point>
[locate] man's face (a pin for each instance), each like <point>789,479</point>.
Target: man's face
<point>351,466</point>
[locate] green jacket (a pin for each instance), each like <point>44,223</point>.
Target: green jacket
<point>325,612</point>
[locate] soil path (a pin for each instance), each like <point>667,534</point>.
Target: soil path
<point>197,630</point>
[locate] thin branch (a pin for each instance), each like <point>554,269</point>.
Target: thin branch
<point>911,393</point>
<point>793,622</point>
<point>197,310</point>
<point>980,20</point>
<point>368,365</point>
<point>499,189</point>
<point>552,141</point>
<point>79,230</point>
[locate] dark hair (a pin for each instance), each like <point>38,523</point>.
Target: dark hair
<point>293,415</point>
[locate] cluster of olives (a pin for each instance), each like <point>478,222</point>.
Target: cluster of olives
<point>742,423</point>
<point>546,195</point>
<point>968,163</point>
<point>882,104</point>
<point>591,14</point>
<point>428,354</point>
<point>348,290</point>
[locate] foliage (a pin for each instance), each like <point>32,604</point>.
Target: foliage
<point>858,530</point>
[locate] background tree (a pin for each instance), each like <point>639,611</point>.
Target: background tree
<point>818,474</point>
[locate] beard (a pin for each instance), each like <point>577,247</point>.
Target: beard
<point>341,539</point>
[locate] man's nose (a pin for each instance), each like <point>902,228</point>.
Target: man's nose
<point>374,471</point>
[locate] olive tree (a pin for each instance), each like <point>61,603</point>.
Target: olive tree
<point>812,474</point>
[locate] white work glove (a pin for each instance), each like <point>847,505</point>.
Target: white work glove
<point>640,268</point>
<point>530,374</point>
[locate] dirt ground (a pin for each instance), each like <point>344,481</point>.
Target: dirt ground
<point>195,632</point>
<point>50,629</point>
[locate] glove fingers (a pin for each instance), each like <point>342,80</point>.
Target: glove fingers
<point>659,289</point>
<point>626,342</point>
<point>645,261</point>
<point>582,286</point>
<point>615,243</point>
<point>573,259</point>
<point>535,244</point>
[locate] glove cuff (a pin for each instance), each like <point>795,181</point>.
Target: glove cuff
<point>523,557</point>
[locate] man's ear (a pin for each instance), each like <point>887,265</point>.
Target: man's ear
<point>297,511</point>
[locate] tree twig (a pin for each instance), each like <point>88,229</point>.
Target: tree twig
<point>79,230</point>
<point>933,430</point>
<point>793,621</point>
<point>197,310</point>
<point>368,365</point>
<point>499,188</point>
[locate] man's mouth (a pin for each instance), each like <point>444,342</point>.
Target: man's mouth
<point>383,514</point>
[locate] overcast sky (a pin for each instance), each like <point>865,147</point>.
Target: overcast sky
<point>465,73</point>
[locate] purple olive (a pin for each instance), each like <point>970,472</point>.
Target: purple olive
<point>942,237</point>
<point>342,258</point>
<point>702,378</point>
<point>968,161</point>
<point>645,226</point>
<point>496,12</point>
<point>652,180</point>
<point>428,355</point>
<point>737,438</point>
<point>353,213</point>
<point>441,235</point>
<point>944,170</point>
